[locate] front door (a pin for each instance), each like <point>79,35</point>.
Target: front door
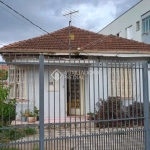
<point>75,95</point>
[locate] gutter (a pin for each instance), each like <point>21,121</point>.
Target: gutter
<point>88,54</point>
<point>115,55</point>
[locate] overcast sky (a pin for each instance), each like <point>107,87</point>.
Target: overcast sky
<point>48,14</point>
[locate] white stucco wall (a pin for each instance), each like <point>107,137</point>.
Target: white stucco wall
<point>96,88</point>
<point>55,103</point>
<point>127,19</point>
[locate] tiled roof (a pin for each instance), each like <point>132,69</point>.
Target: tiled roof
<point>111,43</point>
<point>85,40</point>
<point>4,67</point>
<point>57,40</point>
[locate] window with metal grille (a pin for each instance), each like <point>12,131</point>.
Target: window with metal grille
<point>120,81</point>
<point>17,80</point>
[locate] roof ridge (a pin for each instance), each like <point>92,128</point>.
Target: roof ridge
<point>86,30</point>
<point>58,41</point>
<point>48,34</point>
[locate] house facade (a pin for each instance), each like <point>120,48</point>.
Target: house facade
<point>133,24</point>
<point>100,67</point>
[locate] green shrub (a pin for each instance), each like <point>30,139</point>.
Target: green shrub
<point>3,74</point>
<point>7,107</point>
<point>9,148</point>
<point>110,109</point>
<point>30,131</point>
<point>136,110</point>
<point>15,134</point>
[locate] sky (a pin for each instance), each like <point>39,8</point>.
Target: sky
<point>48,14</point>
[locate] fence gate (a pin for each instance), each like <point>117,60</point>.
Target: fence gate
<point>57,103</point>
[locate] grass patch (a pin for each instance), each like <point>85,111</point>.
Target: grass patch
<point>15,134</point>
<point>30,131</point>
<point>9,148</point>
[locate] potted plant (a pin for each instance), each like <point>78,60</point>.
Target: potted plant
<point>23,116</point>
<point>27,111</point>
<point>32,117</point>
<point>36,111</point>
<point>90,116</point>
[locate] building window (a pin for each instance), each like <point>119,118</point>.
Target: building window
<point>129,32</point>
<point>17,80</point>
<point>138,26</point>
<point>120,81</point>
<point>146,25</point>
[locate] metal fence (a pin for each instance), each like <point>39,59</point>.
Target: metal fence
<point>80,103</point>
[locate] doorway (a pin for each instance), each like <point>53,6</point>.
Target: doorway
<point>75,94</point>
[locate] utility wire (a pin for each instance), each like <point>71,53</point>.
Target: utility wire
<point>19,18</point>
<point>32,22</point>
<point>23,17</point>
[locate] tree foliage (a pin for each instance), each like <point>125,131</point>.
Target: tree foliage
<point>3,74</point>
<point>7,106</point>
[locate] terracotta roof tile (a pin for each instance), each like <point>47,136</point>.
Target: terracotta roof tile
<point>57,40</point>
<point>4,67</point>
<point>86,40</point>
<point>112,42</point>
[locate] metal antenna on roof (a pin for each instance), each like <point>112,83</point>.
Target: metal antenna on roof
<point>70,13</point>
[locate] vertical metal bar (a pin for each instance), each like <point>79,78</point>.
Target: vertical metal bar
<point>41,101</point>
<point>66,100</point>
<point>124,94</point>
<point>80,84</point>
<point>49,99</point>
<point>75,97</point>
<point>85,101</point>
<point>27,94</point>
<point>94,74</point>
<point>140,115</point>
<point>146,105</point>
<point>70,98</point>
<point>54,93</point>
<point>136,91</point>
<point>89,86</point>
<point>59,111</point>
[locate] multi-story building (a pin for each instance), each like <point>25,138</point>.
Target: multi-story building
<point>133,24</point>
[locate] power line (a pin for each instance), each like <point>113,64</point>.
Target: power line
<point>32,22</point>
<point>19,18</point>
<point>24,17</point>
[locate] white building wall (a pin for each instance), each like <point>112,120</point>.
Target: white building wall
<point>55,103</point>
<point>96,87</point>
<point>128,19</point>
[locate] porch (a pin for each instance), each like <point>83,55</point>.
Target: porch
<point>53,121</point>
